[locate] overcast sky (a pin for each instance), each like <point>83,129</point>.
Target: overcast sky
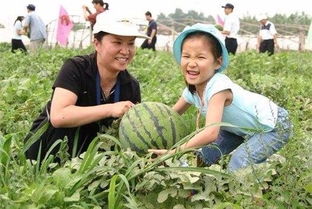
<point>48,10</point>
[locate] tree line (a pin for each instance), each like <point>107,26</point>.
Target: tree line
<point>285,24</point>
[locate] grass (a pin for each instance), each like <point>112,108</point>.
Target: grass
<point>101,179</point>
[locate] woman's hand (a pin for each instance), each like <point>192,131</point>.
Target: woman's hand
<point>65,114</point>
<point>118,109</point>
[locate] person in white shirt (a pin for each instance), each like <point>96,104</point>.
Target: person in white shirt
<point>230,28</point>
<point>18,31</point>
<point>267,36</point>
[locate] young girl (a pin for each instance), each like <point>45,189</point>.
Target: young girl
<point>17,42</point>
<point>260,127</point>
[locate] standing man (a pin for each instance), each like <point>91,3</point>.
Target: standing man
<point>230,28</point>
<point>35,28</point>
<point>99,8</point>
<point>151,32</point>
<point>267,35</point>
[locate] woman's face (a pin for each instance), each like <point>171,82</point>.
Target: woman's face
<point>114,53</point>
<point>97,7</point>
<point>197,61</point>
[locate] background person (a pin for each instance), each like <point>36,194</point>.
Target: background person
<point>35,27</point>
<point>151,32</point>
<point>99,7</point>
<point>230,28</point>
<point>17,42</point>
<point>267,37</point>
<point>91,90</point>
<point>202,55</point>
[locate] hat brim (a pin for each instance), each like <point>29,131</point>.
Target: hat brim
<point>227,7</point>
<point>177,46</point>
<point>121,33</point>
<point>260,19</point>
<point>119,29</point>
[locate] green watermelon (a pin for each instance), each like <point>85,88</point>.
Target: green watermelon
<point>151,125</point>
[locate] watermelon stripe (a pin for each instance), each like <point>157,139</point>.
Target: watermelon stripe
<point>145,130</point>
<point>139,134</point>
<point>159,128</point>
<point>132,146</point>
<point>173,127</point>
<point>162,112</point>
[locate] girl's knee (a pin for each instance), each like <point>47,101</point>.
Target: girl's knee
<point>209,154</point>
<point>239,159</point>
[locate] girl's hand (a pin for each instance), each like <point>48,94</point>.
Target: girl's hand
<point>161,151</point>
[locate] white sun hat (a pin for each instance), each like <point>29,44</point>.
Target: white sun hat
<point>261,17</point>
<point>206,28</point>
<point>117,25</point>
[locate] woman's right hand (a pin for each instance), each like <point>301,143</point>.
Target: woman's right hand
<point>118,109</point>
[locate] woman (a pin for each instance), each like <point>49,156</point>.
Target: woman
<point>91,90</point>
<point>18,31</point>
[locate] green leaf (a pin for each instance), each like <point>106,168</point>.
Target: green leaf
<point>308,187</point>
<point>194,169</point>
<point>226,205</point>
<point>179,206</point>
<point>163,196</point>
<point>42,128</point>
<point>89,160</point>
<point>74,198</point>
<point>112,193</point>
<point>61,177</point>
<point>5,150</point>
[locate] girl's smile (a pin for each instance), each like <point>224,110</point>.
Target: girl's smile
<point>197,62</point>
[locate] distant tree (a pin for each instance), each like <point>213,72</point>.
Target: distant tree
<point>178,20</point>
<point>285,24</point>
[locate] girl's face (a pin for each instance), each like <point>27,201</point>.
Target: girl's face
<point>197,61</point>
<point>114,52</point>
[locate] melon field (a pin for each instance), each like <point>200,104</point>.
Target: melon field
<point>122,178</point>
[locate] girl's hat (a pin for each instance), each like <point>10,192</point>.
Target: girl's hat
<point>206,28</point>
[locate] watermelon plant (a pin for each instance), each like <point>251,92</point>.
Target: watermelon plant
<point>122,178</point>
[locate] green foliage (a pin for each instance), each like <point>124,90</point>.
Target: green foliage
<point>123,179</point>
<point>285,24</point>
<point>4,47</point>
<point>25,85</point>
<point>178,20</point>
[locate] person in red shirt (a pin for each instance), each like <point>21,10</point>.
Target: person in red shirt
<point>99,7</point>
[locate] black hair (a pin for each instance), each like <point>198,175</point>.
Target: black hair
<point>98,2</point>
<point>106,6</point>
<point>148,13</point>
<point>19,18</point>
<point>99,36</point>
<point>31,7</point>
<point>215,45</point>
